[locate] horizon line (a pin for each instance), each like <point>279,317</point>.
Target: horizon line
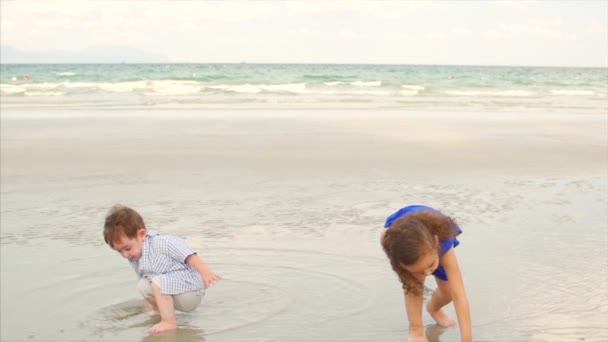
<point>315,63</point>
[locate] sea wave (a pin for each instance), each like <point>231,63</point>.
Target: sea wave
<point>572,92</point>
<point>228,92</point>
<point>355,83</point>
<point>412,87</point>
<point>169,87</point>
<point>39,86</point>
<point>366,84</point>
<point>122,87</point>
<point>355,92</point>
<point>11,89</point>
<point>43,93</point>
<point>298,88</point>
<point>499,93</point>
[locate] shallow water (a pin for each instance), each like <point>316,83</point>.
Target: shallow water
<point>297,248</point>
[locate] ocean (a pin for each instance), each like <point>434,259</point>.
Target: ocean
<point>306,86</point>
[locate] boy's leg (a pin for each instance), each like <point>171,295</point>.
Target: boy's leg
<point>166,310</point>
<point>144,288</point>
<point>441,297</point>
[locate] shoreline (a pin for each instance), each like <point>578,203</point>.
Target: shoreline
<point>61,111</point>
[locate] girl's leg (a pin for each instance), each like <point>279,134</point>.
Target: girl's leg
<point>441,297</point>
<point>166,310</point>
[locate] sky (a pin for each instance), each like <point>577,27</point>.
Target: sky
<point>535,33</point>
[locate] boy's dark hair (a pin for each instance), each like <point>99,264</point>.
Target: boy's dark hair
<point>410,237</point>
<point>121,220</point>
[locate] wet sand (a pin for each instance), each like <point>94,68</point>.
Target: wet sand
<point>288,208</point>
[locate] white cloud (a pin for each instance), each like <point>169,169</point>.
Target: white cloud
<point>224,11</point>
<point>399,36</point>
<point>346,34</point>
<point>595,25</point>
<point>451,34</point>
<point>66,7</point>
<point>300,32</point>
<point>544,29</point>
<point>306,31</point>
<point>390,9</point>
<point>516,4</point>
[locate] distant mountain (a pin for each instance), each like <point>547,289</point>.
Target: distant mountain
<point>94,54</point>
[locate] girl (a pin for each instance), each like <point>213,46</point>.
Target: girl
<point>419,242</point>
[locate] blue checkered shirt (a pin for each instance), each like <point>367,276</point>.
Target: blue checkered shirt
<point>165,256</point>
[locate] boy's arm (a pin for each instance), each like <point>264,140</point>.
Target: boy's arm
<point>459,296</point>
<point>178,249</point>
<point>209,278</point>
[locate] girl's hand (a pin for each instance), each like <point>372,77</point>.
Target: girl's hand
<point>210,278</point>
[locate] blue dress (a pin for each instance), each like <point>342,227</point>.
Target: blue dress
<point>445,244</point>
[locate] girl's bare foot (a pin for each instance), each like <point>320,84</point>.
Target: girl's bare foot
<point>441,317</point>
<point>162,326</point>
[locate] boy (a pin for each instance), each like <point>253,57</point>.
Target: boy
<point>171,275</point>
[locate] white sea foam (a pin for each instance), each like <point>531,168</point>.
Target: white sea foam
<point>333,83</point>
<point>122,87</point>
<point>41,85</point>
<point>67,73</point>
<point>80,84</point>
<point>298,88</point>
<point>366,84</point>
<point>11,89</point>
<point>501,93</point>
<point>356,92</point>
<point>572,92</point>
<point>170,87</point>
<point>43,93</point>
<point>512,93</point>
<point>409,92</point>
<point>242,88</point>
<point>412,87</point>
<point>117,87</point>
<point>290,87</point>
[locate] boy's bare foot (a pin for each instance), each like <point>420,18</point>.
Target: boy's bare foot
<point>153,313</point>
<point>151,310</point>
<point>162,326</point>
<point>441,317</point>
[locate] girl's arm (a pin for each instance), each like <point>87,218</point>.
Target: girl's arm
<point>413,307</point>
<point>459,296</point>
<point>209,278</point>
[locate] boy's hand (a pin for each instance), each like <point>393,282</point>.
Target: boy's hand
<point>210,278</point>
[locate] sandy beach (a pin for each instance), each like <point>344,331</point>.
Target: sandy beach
<point>288,206</point>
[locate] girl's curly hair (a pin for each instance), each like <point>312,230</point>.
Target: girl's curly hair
<point>410,237</point>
